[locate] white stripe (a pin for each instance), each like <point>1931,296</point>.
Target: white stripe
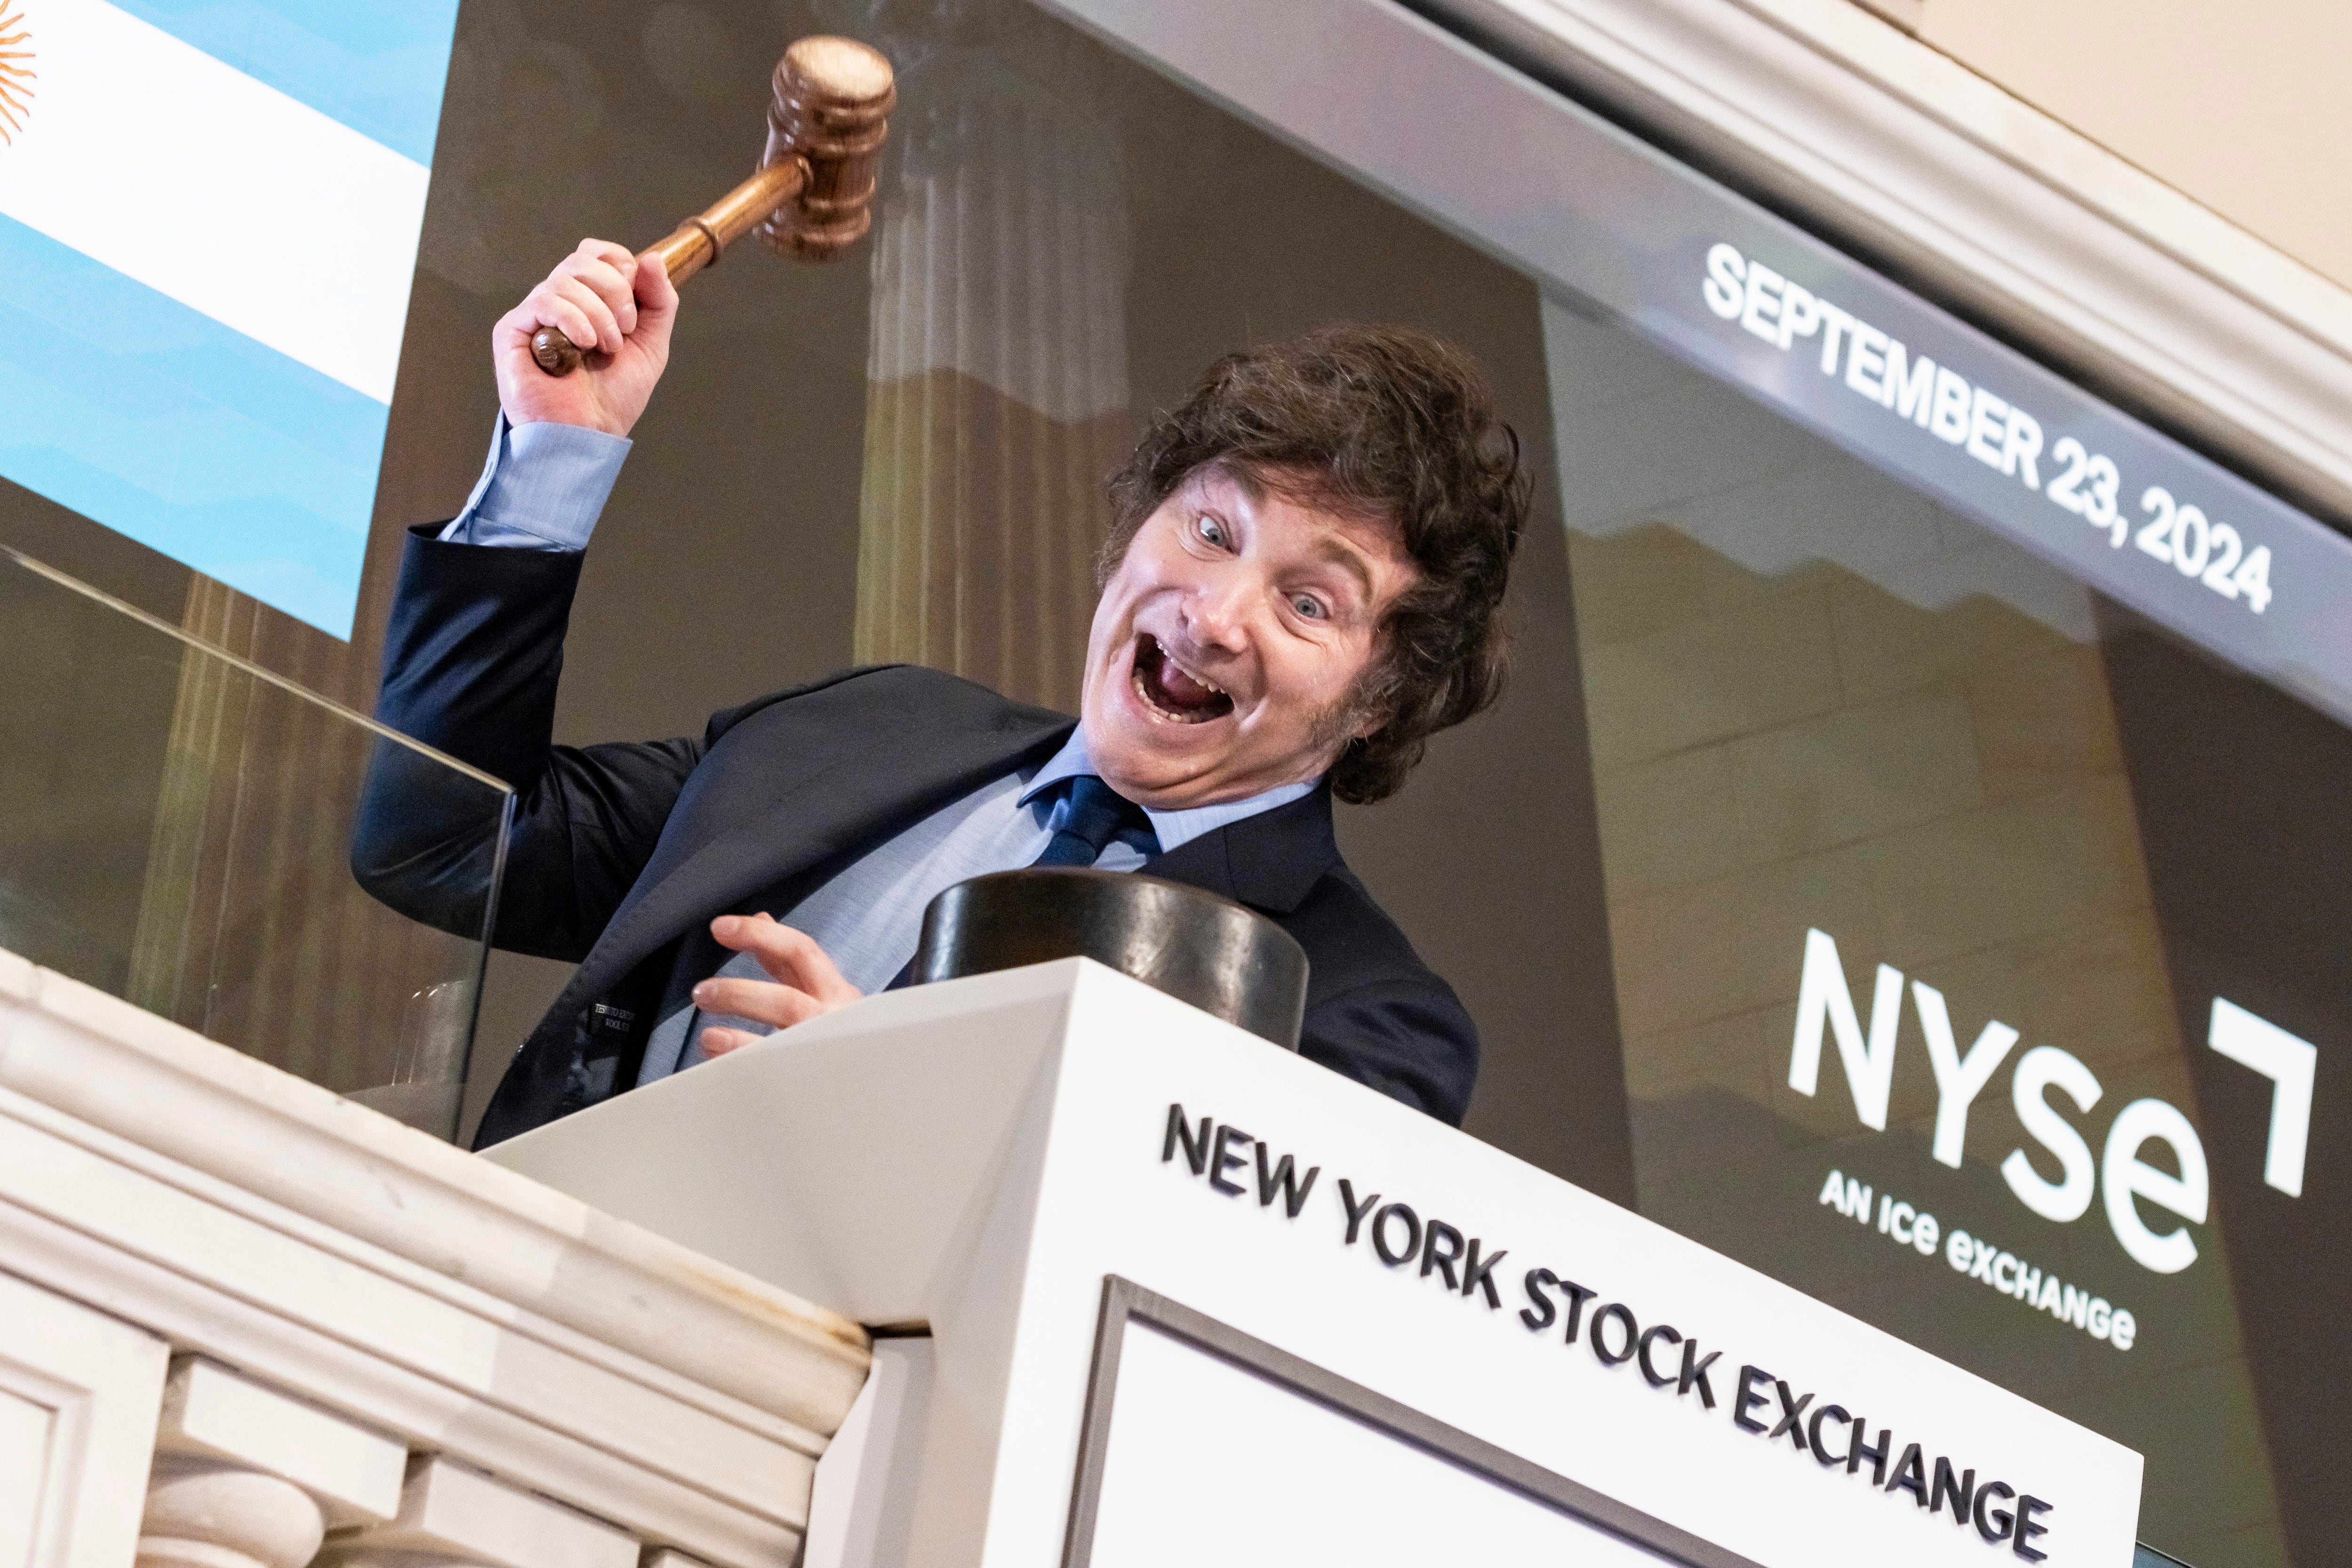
<point>149,155</point>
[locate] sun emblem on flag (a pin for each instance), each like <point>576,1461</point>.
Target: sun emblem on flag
<point>17,72</point>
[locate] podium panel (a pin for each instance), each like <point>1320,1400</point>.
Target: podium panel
<point>1414,1339</point>
<point>1304,1466</point>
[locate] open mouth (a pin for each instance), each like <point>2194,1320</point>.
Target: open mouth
<point>1172,692</point>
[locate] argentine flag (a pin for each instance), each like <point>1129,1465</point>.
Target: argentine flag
<point>208,220</point>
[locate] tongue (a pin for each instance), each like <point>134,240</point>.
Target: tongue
<point>1184,694</point>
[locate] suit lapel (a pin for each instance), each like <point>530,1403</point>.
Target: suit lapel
<point>888,778</point>
<point>1269,862</point>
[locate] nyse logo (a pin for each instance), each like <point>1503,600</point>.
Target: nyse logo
<point>2118,1177</point>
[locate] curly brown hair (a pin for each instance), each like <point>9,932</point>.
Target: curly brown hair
<point>1378,421</point>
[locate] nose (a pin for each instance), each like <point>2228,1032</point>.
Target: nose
<point>1217,612</point>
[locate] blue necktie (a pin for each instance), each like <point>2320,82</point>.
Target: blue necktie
<point>1097,814</point>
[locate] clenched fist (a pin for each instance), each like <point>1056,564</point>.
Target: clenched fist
<point>618,311</point>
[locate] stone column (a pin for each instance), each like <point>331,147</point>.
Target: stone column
<point>205,1513</point>
<point>997,390</point>
<point>248,1476</point>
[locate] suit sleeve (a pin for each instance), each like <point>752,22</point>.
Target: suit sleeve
<point>471,659</point>
<point>1406,1036</point>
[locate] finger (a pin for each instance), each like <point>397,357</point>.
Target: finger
<point>790,956</point>
<point>542,309</point>
<point>718,1041</point>
<point>609,283</point>
<point>654,291</point>
<point>608,336</point>
<point>762,1001</point>
<point>619,257</point>
<point>656,299</point>
<point>517,326</point>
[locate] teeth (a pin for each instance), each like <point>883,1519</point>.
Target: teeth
<point>1157,654</point>
<point>1143,691</point>
<point>1187,672</point>
<point>1200,680</point>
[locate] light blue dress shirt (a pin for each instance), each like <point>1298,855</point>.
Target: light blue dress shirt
<point>869,916</point>
<point>543,488</point>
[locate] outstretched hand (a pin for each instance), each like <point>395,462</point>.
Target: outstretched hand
<point>801,983</point>
<point>617,309</point>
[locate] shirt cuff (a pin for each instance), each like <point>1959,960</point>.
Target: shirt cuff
<point>542,488</point>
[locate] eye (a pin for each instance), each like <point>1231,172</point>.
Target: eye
<point>1307,607</point>
<point>1211,529</point>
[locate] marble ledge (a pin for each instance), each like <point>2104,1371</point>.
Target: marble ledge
<point>100,1061</point>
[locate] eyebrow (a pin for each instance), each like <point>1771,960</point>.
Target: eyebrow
<point>1338,552</point>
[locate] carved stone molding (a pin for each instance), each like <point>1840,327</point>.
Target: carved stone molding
<point>368,1332</point>
<point>453,1514</point>
<point>208,1513</point>
<point>79,1391</point>
<point>213,1414</point>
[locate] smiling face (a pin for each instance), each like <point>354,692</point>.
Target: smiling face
<point>1227,647</point>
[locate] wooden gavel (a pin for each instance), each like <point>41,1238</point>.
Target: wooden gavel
<point>813,197</point>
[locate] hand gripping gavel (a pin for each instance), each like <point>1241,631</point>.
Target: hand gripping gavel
<point>812,195</point>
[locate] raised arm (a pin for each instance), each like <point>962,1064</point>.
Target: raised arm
<point>476,642</point>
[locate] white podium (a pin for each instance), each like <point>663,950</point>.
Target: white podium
<point>1190,1298</point>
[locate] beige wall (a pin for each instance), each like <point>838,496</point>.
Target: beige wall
<point>2241,106</point>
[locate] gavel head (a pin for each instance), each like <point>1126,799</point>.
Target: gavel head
<point>832,109</point>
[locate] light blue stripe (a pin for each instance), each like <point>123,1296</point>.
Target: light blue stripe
<point>162,423</point>
<point>378,66</point>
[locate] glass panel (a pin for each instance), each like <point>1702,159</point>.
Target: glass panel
<point>1925,898</point>
<point>175,829</point>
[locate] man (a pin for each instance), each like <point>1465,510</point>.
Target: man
<point>1302,583</point>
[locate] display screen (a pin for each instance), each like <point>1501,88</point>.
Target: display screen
<point>1212,1459</point>
<point>209,212</point>
<point>1951,987</point>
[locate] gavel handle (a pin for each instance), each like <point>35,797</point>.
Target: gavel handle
<point>695,244</point>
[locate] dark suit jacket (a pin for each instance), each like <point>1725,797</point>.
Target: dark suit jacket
<point>620,855</point>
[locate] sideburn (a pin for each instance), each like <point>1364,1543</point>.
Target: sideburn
<point>1337,726</point>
